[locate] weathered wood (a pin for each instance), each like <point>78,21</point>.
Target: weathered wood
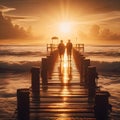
<point>64,95</point>
<point>44,73</point>
<point>86,63</point>
<point>102,106</point>
<point>80,48</point>
<point>91,81</point>
<point>51,47</point>
<point>23,104</point>
<point>35,71</point>
<point>81,57</point>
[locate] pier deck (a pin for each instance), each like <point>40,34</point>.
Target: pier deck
<point>66,97</point>
<point>63,89</point>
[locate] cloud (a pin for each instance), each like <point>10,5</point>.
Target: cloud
<point>100,6</point>
<point>5,9</point>
<point>100,34</point>
<point>106,34</point>
<point>109,17</point>
<point>101,18</point>
<point>96,32</point>
<point>8,30</point>
<point>22,18</point>
<point>72,6</point>
<point>85,12</point>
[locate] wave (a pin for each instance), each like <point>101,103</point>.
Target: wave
<point>103,45</point>
<point>112,54</point>
<point>113,67</point>
<point>22,53</point>
<point>22,66</point>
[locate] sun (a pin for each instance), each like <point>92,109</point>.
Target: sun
<point>65,27</point>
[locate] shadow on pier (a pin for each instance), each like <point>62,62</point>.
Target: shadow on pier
<point>63,89</point>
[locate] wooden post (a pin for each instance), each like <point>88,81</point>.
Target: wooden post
<point>35,79</point>
<point>23,104</point>
<point>44,73</point>
<point>79,47</point>
<point>47,47</point>
<point>82,48</point>
<point>102,106</point>
<point>76,46</point>
<point>51,47</point>
<point>49,62</point>
<point>86,63</point>
<point>91,81</point>
<point>81,67</point>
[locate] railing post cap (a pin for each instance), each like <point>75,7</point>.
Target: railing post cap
<point>35,69</point>
<point>43,59</point>
<point>105,93</point>
<point>23,90</point>
<point>48,56</point>
<point>86,59</point>
<point>91,68</point>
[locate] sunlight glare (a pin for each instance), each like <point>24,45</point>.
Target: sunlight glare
<point>65,65</point>
<point>65,92</point>
<point>65,27</point>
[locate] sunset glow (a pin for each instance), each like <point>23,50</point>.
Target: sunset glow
<point>59,59</point>
<point>65,27</point>
<point>40,20</point>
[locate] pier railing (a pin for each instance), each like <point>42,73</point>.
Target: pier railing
<point>89,77</point>
<point>51,47</point>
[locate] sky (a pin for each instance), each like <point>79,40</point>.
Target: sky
<point>85,21</point>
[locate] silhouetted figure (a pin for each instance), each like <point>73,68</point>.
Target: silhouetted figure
<point>61,48</point>
<point>69,48</point>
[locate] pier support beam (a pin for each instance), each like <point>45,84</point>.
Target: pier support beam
<point>44,73</point>
<point>23,104</point>
<point>91,81</point>
<point>86,63</point>
<point>35,79</point>
<point>102,106</point>
<point>81,57</point>
<point>50,64</point>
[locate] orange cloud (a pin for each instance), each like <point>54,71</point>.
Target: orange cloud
<point>5,9</point>
<point>98,34</point>
<point>8,30</point>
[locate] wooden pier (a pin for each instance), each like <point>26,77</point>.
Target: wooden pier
<point>63,89</point>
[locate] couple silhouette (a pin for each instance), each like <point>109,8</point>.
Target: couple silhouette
<point>61,48</point>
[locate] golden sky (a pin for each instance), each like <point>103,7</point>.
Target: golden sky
<point>87,21</point>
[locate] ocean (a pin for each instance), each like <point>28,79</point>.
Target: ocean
<point>17,60</point>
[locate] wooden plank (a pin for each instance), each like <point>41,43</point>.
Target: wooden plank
<point>62,101</point>
<point>46,115</point>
